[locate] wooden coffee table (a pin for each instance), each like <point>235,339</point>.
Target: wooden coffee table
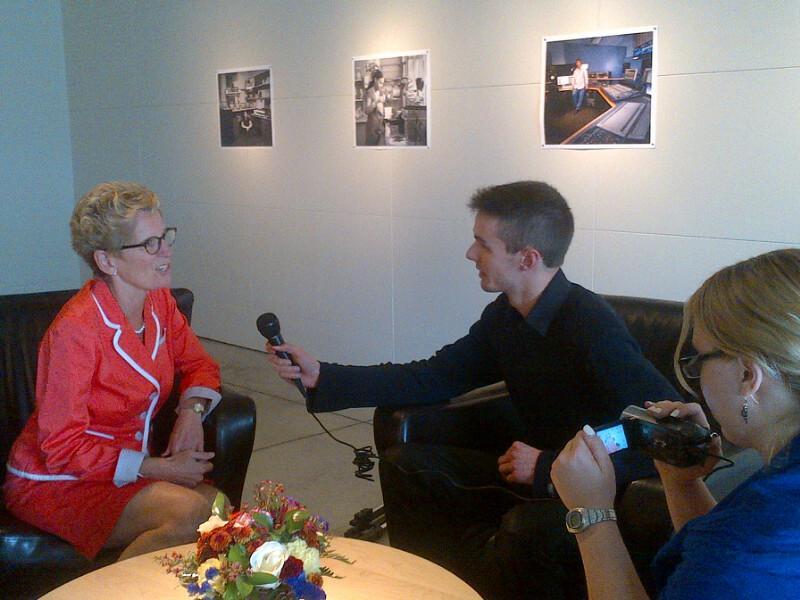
<point>378,572</point>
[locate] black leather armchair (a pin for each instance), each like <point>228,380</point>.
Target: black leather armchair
<point>32,561</point>
<point>485,419</point>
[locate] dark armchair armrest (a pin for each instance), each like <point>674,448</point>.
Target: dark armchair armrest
<point>230,431</point>
<point>482,419</point>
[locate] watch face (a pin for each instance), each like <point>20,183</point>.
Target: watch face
<point>574,519</point>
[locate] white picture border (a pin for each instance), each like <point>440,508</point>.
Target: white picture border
<point>428,98</point>
<point>653,87</point>
<point>271,111</point>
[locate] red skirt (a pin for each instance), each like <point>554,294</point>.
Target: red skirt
<point>83,513</point>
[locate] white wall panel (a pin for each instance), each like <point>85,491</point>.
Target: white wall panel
<point>106,146</point>
<point>668,267</point>
<point>579,262</point>
<point>437,290</point>
<point>105,50</point>
<point>360,252</point>
<point>724,162</point>
<point>36,181</point>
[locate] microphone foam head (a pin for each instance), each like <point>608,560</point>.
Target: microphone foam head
<point>268,325</point>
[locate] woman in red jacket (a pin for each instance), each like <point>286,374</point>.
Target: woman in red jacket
<point>81,468</point>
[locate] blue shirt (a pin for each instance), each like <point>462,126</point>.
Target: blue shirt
<point>748,546</point>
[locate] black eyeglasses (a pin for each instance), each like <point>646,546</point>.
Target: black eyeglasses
<point>692,365</point>
<point>153,244</point>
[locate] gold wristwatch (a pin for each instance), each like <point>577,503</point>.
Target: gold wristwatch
<point>580,519</point>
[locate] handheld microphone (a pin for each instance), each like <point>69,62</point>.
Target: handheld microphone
<point>269,326</point>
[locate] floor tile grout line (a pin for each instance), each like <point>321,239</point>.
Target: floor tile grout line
<point>306,437</point>
<point>242,388</point>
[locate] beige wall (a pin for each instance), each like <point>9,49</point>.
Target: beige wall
<point>361,253</point>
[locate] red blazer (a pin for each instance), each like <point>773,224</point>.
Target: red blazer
<point>98,387</point>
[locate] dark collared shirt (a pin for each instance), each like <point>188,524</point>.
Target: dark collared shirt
<point>569,363</point>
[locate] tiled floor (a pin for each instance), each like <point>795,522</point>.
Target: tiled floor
<point>291,448</point>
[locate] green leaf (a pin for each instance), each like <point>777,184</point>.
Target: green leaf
<point>261,578</point>
<point>220,506</point>
<point>337,556</point>
<point>295,520</point>
<point>238,554</point>
<point>231,593</point>
<point>263,520</point>
<point>243,587</point>
<point>329,573</point>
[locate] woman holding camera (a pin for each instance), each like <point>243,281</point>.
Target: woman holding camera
<point>744,323</point>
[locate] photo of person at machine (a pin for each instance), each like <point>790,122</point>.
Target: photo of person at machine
<point>598,90</point>
<point>245,107</point>
<point>391,100</point>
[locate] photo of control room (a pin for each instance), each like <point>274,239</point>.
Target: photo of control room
<point>245,111</point>
<point>616,108</point>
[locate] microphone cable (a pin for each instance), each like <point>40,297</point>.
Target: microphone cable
<point>364,459</point>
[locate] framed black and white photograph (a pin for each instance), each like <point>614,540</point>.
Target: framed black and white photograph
<point>245,107</point>
<point>599,89</point>
<point>392,95</point>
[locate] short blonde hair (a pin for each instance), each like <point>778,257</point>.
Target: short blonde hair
<point>104,218</point>
<point>752,310</point>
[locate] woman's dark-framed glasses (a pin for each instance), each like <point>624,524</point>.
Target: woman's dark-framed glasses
<point>153,244</point>
<point>692,365</point>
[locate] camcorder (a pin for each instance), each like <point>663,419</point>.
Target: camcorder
<point>671,440</point>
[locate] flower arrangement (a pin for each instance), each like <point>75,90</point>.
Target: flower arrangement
<point>270,551</point>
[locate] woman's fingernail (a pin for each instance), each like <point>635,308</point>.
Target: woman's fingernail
<point>674,413</point>
<point>587,429</point>
<point>655,409</point>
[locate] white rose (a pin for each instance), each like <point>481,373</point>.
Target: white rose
<point>310,556</point>
<point>269,558</point>
<point>214,522</point>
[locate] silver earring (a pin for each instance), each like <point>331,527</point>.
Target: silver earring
<point>114,273</point>
<point>746,407</point>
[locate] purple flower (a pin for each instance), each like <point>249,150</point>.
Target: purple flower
<point>305,590</point>
<point>199,590</point>
<point>211,572</point>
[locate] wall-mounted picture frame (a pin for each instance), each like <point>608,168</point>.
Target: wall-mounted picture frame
<point>245,107</point>
<point>599,89</point>
<point>392,100</point>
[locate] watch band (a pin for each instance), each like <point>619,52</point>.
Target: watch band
<point>580,519</point>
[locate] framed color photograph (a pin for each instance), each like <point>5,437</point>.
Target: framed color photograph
<point>599,89</point>
<point>245,107</point>
<point>391,96</point>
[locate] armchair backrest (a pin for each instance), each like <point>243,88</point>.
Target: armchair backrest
<point>24,318</point>
<point>656,326</point>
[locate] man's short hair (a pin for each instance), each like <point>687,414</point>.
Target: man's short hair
<point>531,214</point>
